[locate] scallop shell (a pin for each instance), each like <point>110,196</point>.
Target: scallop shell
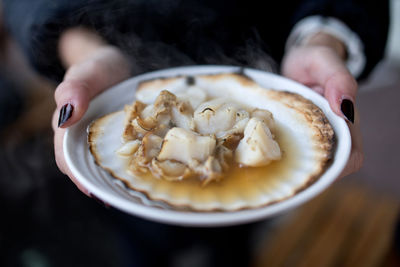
<point>303,133</point>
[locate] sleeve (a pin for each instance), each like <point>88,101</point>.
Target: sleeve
<point>37,25</point>
<point>368,19</point>
<point>309,26</point>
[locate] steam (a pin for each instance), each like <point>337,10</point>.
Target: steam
<point>155,35</point>
<point>163,34</point>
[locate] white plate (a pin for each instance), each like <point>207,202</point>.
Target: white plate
<point>113,192</point>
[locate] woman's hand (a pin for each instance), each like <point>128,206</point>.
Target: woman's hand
<point>320,64</point>
<point>92,67</point>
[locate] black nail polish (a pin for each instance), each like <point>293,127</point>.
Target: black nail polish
<point>347,108</point>
<point>98,200</point>
<point>65,114</point>
<point>190,80</point>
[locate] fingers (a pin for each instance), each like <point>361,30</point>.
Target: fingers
<point>59,154</point>
<point>72,99</point>
<point>106,67</point>
<point>340,87</point>
<point>323,70</point>
<point>319,89</point>
<point>93,66</point>
<point>341,91</point>
<point>357,155</point>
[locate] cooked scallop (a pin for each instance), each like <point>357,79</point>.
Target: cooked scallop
<point>129,148</point>
<point>181,116</point>
<point>149,148</point>
<point>214,142</point>
<point>257,148</point>
<point>170,170</point>
<point>184,145</point>
<point>265,116</point>
<point>194,95</point>
<point>215,116</point>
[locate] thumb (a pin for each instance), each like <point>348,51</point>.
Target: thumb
<point>340,87</point>
<point>341,91</point>
<point>84,80</point>
<point>72,98</point>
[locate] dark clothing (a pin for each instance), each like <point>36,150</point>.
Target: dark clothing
<point>11,102</point>
<point>159,34</point>
<point>152,244</point>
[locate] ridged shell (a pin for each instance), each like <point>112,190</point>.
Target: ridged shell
<point>304,134</point>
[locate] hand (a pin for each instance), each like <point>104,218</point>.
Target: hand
<point>319,64</point>
<point>93,66</point>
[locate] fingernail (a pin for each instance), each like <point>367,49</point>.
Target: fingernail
<point>98,200</point>
<point>347,108</point>
<point>65,114</point>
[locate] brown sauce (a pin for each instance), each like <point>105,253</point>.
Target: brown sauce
<point>239,183</point>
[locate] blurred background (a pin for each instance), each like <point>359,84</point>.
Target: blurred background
<point>46,221</point>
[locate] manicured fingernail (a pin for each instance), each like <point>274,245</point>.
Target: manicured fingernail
<point>65,114</point>
<point>347,108</point>
<point>98,200</point>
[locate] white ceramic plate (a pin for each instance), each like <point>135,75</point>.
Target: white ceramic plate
<point>113,192</point>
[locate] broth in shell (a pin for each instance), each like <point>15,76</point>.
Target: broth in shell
<point>305,138</point>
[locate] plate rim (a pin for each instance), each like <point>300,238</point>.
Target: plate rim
<point>220,218</point>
